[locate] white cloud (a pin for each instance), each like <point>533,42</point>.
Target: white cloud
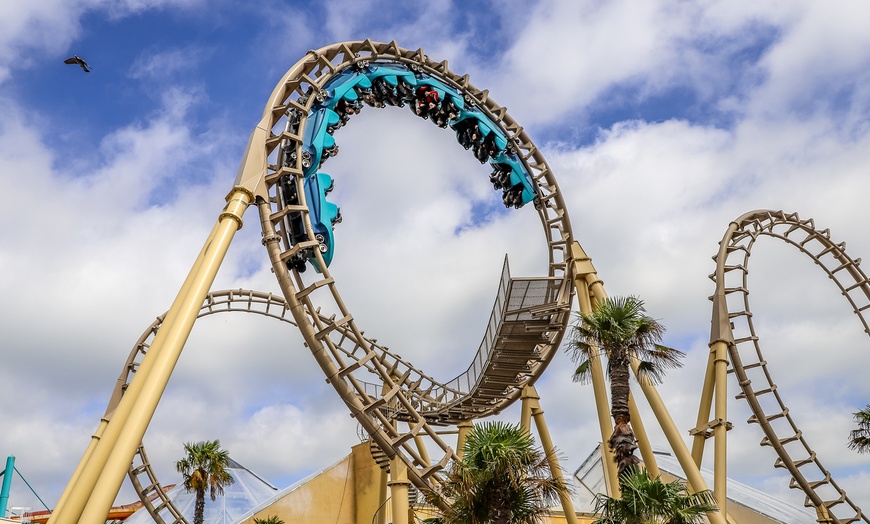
<point>97,246</point>
<point>153,63</point>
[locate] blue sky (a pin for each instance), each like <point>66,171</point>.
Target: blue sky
<point>662,120</point>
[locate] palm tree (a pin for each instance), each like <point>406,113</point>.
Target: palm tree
<point>271,519</point>
<point>204,468</point>
<point>859,439</point>
<point>501,479</point>
<point>619,328</point>
<point>647,500</point>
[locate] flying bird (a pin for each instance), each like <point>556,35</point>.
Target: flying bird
<point>76,59</point>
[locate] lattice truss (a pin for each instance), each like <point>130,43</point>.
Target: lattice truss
<point>747,362</point>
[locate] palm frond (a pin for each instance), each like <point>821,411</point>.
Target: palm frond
<point>859,439</point>
<point>501,474</point>
<point>649,500</point>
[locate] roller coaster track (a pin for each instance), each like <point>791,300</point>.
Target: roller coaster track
<point>380,388</point>
<point>144,479</point>
<point>519,354</point>
<point>142,476</point>
<point>732,319</point>
<point>529,315</point>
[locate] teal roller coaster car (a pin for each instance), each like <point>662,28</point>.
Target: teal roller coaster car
<point>380,84</point>
<point>322,213</point>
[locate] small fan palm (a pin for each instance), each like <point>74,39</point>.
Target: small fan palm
<point>647,500</point>
<point>501,479</point>
<point>859,439</point>
<point>271,519</point>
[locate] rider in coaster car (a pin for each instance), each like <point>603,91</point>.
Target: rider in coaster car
<point>427,100</point>
<point>467,133</point>
<point>346,107</point>
<point>346,110</point>
<point>449,108</point>
<point>405,91</point>
<point>369,98</point>
<point>383,91</point>
<point>390,94</point>
<point>434,111</point>
<point>513,196</point>
<point>500,176</point>
<point>328,152</point>
<point>480,153</point>
<point>489,146</point>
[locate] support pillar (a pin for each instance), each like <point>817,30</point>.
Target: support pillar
<point>715,391</point>
<point>701,432</point>
<point>529,396</point>
<point>95,439</point>
<point>7,485</point>
<point>464,429</point>
<point>81,485</point>
<point>128,431</point>
<point>421,448</point>
<point>382,498</point>
<point>720,443</point>
<point>549,450</point>
<point>399,485</point>
<point>583,268</point>
<point>681,451</point>
<point>646,451</point>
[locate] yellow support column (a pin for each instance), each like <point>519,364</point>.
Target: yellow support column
<point>720,446</point>
<point>528,396</point>
<point>678,446</point>
<point>550,450</point>
<point>80,487</point>
<point>464,428</point>
<point>382,499</point>
<point>646,451</point>
<point>95,439</point>
<point>421,448</point>
<point>583,268</point>
<point>109,482</point>
<point>398,485</point>
<point>700,433</point>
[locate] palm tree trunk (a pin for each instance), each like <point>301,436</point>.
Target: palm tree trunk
<point>622,441</point>
<point>199,508</point>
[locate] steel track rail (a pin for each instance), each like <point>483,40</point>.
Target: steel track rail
<point>731,305</point>
<point>376,411</point>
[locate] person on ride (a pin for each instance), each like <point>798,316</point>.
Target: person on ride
<point>405,91</point>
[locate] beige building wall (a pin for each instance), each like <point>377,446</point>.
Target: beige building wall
<point>328,497</point>
<point>347,493</point>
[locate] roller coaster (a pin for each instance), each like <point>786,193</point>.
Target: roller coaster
<point>281,175</point>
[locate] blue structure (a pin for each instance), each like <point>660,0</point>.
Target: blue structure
<point>7,485</point>
<point>380,84</point>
